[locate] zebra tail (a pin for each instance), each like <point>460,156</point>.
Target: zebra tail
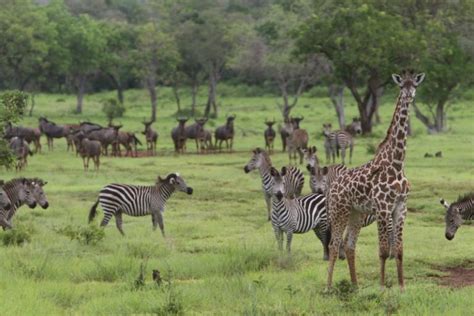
<point>93,211</point>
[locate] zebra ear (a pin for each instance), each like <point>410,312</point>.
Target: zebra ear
<point>273,172</point>
<point>444,203</point>
<point>308,167</point>
<point>172,180</point>
<point>312,170</point>
<point>283,171</point>
<point>324,171</point>
<point>43,183</point>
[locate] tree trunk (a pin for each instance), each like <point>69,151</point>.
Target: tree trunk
<point>194,92</point>
<point>440,116</point>
<point>151,86</point>
<point>211,99</point>
<point>376,104</point>
<point>81,87</point>
<point>120,93</point>
<point>336,94</point>
<point>176,96</point>
<point>32,104</point>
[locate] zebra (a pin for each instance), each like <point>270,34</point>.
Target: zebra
<point>18,191</point>
<point>297,216</point>
<point>35,186</point>
<point>457,213</point>
<point>341,140</point>
<point>294,178</point>
<point>330,145</point>
<point>135,200</point>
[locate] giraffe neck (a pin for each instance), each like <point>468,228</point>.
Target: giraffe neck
<point>392,150</point>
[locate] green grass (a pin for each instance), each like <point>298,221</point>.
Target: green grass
<point>220,255</point>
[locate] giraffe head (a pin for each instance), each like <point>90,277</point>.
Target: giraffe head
<point>408,82</point>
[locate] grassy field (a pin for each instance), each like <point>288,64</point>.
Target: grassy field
<point>220,255</point>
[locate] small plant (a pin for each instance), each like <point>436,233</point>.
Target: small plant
<point>16,236</point>
<point>371,149</point>
<point>173,304</point>
<point>112,109</point>
<point>88,235</point>
<point>344,290</point>
<point>139,282</point>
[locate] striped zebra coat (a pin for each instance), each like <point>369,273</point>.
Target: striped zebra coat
<point>18,192</point>
<point>135,200</point>
<point>293,177</point>
<point>458,212</point>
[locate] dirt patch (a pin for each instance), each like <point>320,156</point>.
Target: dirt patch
<point>460,276</point>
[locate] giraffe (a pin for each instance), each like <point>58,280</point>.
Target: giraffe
<point>378,187</point>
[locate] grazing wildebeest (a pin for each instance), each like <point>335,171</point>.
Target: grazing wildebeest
<point>225,133</point>
<point>178,134</point>
<point>196,131</point>
<point>269,136</point>
<point>89,149</point>
<point>135,200</point>
<point>21,150</point>
<point>297,140</point>
<point>285,131</point>
<point>51,130</point>
<point>129,141</point>
<point>106,136</point>
<point>151,137</point>
<point>30,135</point>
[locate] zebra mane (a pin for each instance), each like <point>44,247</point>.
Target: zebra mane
<point>465,197</point>
<point>265,155</point>
<point>13,182</point>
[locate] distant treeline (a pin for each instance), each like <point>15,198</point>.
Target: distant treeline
<point>281,46</point>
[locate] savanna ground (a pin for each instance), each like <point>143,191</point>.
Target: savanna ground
<point>220,254</point>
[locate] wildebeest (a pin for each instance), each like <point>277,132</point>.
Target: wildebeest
<point>129,141</point>
<point>178,134</point>
<point>196,131</point>
<point>21,150</point>
<point>285,131</point>
<point>30,135</point>
<point>51,130</point>
<point>89,149</point>
<point>205,140</point>
<point>225,133</point>
<point>106,136</point>
<point>269,136</point>
<point>297,140</point>
<point>87,127</point>
<point>151,137</point>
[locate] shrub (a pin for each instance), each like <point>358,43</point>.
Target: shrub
<point>112,109</point>
<point>371,149</point>
<point>88,235</point>
<point>16,236</point>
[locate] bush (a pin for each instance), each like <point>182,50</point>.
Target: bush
<point>16,236</point>
<point>371,149</point>
<point>88,235</point>
<point>112,109</point>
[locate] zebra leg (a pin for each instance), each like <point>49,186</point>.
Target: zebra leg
<point>324,237</point>
<point>106,219</point>
<point>268,201</point>
<point>351,148</point>
<point>157,219</point>
<point>118,222</point>
<point>279,237</point>
<point>289,238</point>
<point>343,155</point>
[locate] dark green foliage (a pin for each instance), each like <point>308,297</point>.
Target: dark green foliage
<point>16,236</point>
<point>371,148</point>
<point>86,235</point>
<point>112,109</point>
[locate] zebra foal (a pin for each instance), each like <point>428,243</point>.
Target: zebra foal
<point>135,200</point>
<point>293,177</point>
<point>19,192</point>
<point>298,216</point>
<point>458,212</point>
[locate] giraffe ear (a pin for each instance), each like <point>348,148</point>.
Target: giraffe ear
<point>397,79</point>
<point>419,78</point>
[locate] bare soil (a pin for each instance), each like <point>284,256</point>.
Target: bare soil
<point>459,276</point>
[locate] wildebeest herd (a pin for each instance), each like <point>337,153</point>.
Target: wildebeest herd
<point>343,199</point>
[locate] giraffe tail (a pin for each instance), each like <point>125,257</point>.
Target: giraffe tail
<point>93,211</point>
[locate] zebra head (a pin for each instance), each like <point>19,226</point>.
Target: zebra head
<point>327,129</point>
<point>356,125</point>
<point>5,202</point>
<point>175,180</point>
<point>25,193</point>
<point>453,219</point>
<point>278,188</point>
<point>318,179</point>
<point>258,158</point>
<point>36,187</point>
<point>310,157</point>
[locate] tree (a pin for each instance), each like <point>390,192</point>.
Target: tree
<point>86,46</point>
<point>112,109</point>
<point>364,45</point>
<point>156,56</point>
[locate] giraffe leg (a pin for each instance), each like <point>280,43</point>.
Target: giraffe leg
<point>399,215</point>
<point>338,217</point>
<point>383,216</point>
<point>353,230</point>
<point>118,222</point>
